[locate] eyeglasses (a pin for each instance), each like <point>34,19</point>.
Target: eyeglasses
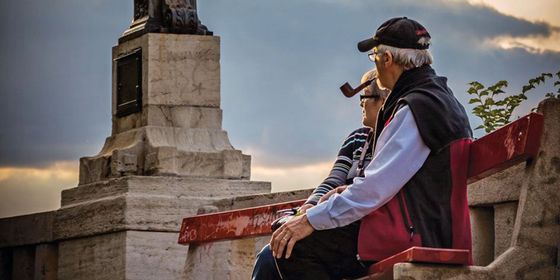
<point>372,55</point>
<point>364,97</point>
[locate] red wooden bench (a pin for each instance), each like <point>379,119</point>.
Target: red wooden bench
<point>517,142</point>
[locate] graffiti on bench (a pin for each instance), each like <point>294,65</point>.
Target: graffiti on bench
<point>233,224</point>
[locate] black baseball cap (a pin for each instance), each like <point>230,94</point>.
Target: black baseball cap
<point>399,32</point>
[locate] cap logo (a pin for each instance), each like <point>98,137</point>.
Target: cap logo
<point>424,41</point>
<point>421,32</point>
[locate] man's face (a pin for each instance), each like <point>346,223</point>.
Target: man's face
<point>381,69</point>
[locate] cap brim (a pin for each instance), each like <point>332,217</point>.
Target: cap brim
<point>367,44</point>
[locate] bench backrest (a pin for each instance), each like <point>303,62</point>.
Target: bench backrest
<point>514,143</point>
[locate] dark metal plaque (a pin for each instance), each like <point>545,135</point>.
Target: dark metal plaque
<point>129,84</point>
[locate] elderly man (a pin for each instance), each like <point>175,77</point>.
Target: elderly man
<point>413,193</point>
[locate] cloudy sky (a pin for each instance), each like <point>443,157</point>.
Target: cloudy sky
<point>282,63</point>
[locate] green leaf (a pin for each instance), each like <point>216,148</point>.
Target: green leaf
<point>547,75</point>
<point>472,90</point>
<point>484,93</point>
<point>557,83</point>
<point>474,100</point>
<point>502,83</point>
<point>489,101</point>
<point>533,81</point>
<point>527,88</point>
<point>549,95</point>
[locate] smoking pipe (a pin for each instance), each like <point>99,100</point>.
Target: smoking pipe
<point>348,91</point>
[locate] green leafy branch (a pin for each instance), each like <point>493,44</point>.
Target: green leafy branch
<point>495,107</point>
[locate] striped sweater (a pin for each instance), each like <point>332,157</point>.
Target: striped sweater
<point>346,164</point>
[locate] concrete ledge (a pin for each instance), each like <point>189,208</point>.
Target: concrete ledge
<point>504,186</point>
<point>413,271</point>
<point>184,187</point>
<point>246,201</point>
<point>27,229</point>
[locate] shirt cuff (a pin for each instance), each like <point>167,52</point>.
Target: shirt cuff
<point>319,217</point>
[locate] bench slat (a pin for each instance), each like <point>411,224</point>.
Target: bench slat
<point>419,254</point>
<point>505,147</point>
<point>233,224</point>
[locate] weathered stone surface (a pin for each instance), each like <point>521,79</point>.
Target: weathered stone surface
<point>501,187</point>
<point>183,116</point>
<point>123,255</point>
<point>166,151</point>
<point>180,187</point>
<point>143,203</point>
<point>221,260</point>
<point>178,132</point>
<point>90,218</point>
<point>46,262</point>
<point>246,201</point>
<point>154,255</point>
<point>410,271</point>
<point>482,227</point>
<point>504,218</point>
<point>27,229</point>
<point>23,264</point>
<point>172,116</point>
<point>260,242</point>
<point>102,257</point>
<point>176,69</point>
<point>537,227</point>
<point>184,69</point>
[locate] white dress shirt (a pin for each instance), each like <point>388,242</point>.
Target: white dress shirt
<point>399,154</point>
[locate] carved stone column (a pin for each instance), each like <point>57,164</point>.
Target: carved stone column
<point>177,128</point>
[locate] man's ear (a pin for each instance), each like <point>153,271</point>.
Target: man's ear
<point>387,59</point>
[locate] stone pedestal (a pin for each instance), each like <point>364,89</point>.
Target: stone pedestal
<point>178,131</point>
<point>163,161</point>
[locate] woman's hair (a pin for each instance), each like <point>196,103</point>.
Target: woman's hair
<point>408,58</point>
<point>382,92</point>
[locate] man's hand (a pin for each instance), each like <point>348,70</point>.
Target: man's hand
<point>331,192</point>
<point>304,207</point>
<point>286,236</point>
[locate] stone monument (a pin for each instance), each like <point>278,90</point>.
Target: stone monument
<point>167,155</point>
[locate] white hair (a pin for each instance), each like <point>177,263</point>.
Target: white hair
<point>409,58</point>
<point>371,74</point>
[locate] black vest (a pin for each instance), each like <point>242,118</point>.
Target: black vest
<point>435,204</point>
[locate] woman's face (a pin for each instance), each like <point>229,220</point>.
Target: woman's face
<point>370,106</point>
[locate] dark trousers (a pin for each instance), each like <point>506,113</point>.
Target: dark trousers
<point>325,254</point>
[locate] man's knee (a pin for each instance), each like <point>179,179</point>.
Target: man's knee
<point>265,265</point>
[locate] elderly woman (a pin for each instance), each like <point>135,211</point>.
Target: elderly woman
<point>349,163</point>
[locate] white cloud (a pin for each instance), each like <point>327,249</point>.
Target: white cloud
<point>534,44</point>
<point>286,178</point>
<point>536,10</point>
<point>25,190</point>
